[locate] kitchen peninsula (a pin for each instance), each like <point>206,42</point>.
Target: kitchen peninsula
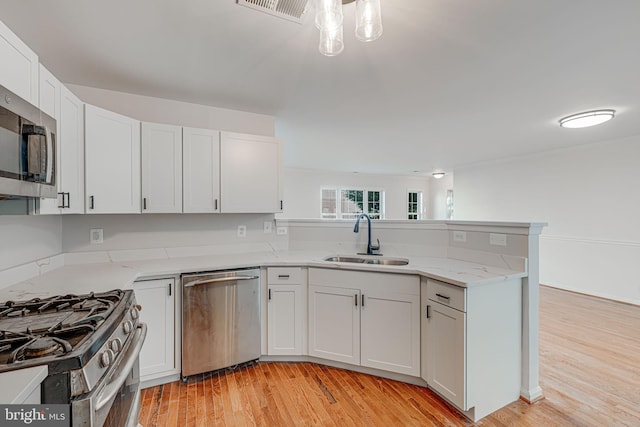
<point>465,268</point>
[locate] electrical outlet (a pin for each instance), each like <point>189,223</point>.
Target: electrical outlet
<point>242,231</point>
<point>497,239</point>
<point>96,236</point>
<point>459,236</point>
<point>267,227</point>
<point>281,231</point>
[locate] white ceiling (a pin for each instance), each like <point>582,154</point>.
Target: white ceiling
<point>450,83</point>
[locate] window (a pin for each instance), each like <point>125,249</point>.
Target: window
<point>349,203</point>
<point>450,204</point>
<point>414,205</point>
<point>329,204</point>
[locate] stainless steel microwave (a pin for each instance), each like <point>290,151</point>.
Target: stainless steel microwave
<point>27,149</point>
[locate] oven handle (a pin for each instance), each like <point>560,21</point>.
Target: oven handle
<point>114,385</point>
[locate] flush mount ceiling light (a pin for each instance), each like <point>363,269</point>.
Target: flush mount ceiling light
<point>438,175</point>
<point>329,21</point>
<point>586,119</point>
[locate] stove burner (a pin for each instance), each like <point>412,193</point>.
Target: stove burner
<point>40,347</point>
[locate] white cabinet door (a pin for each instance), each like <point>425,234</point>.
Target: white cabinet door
<point>19,69</point>
<point>71,152</point>
<point>201,170</point>
<point>161,168</point>
<point>446,369</point>
<point>390,331</point>
<point>49,92</point>
<point>285,319</point>
<point>250,173</point>
<point>112,162</point>
<point>157,298</point>
<point>334,324</point>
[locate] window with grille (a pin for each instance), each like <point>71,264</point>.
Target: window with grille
<point>349,203</point>
<point>414,205</point>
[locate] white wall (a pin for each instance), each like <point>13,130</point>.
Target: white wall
<point>302,190</point>
<point>28,238</point>
<point>167,111</point>
<point>589,196</point>
<point>437,204</point>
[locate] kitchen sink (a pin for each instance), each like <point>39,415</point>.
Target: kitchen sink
<point>367,260</point>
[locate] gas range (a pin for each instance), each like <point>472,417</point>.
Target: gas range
<point>85,341</point>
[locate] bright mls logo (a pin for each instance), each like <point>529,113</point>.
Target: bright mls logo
<point>35,415</point>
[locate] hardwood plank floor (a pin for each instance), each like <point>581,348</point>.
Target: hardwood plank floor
<point>589,371</point>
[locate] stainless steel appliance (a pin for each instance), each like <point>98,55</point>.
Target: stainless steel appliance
<point>90,344</point>
<point>27,149</point>
<point>220,320</point>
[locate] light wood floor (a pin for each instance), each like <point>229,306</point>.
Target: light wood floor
<point>589,371</point>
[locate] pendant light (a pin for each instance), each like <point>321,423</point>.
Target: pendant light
<point>329,20</point>
<point>368,20</point>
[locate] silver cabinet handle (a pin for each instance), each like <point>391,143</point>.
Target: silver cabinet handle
<point>220,280</point>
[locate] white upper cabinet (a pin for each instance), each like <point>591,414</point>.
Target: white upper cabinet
<point>250,173</point>
<point>71,152</point>
<point>161,168</point>
<point>112,147</point>
<point>19,69</point>
<point>201,170</point>
<point>49,93</point>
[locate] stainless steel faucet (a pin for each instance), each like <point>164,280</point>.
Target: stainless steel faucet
<point>370,247</point>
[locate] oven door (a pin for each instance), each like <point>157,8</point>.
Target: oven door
<point>116,399</point>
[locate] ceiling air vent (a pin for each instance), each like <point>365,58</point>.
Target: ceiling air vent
<point>291,10</point>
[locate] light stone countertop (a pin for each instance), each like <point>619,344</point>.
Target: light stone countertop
<point>105,276</point>
<point>19,384</point>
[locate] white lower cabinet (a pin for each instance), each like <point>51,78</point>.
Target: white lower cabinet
<point>471,343</point>
<point>157,298</point>
<point>334,323</point>
<point>286,311</point>
<point>366,319</point>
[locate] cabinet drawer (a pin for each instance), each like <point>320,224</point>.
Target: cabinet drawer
<point>449,295</point>
<point>284,275</point>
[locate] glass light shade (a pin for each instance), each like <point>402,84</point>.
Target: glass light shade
<point>586,119</point>
<point>368,20</point>
<point>438,175</point>
<point>328,13</point>
<point>331,41</point>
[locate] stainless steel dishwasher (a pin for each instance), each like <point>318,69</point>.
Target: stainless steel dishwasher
<point>220,320</point>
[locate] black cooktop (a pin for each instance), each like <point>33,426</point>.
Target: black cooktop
<point>63,331</point>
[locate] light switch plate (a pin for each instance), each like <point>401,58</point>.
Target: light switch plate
<point>281,231</point>
<point>96,236</point>
<point>497,239</point>
<point>242,231</point>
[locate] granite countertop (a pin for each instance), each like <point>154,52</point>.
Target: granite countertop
<point>104,276</point>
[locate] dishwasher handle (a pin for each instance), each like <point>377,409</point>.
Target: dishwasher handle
<point>220,280</point>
